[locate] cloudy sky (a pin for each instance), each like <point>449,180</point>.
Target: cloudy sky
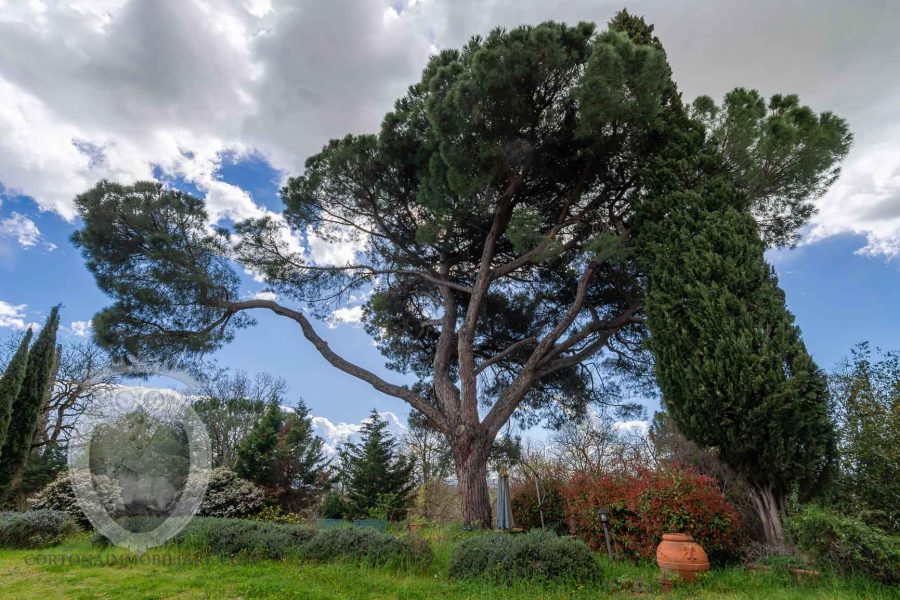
<point>226,98</point>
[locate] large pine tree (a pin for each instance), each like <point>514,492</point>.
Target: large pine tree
<point>734,372</point>
<point>27,406</point>
<point>377,476</point>
<point>11,384</point>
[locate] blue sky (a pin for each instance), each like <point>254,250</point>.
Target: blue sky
<point>227,99</point>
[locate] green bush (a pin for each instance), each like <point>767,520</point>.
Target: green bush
<point>229,496</point>
<point>334,506</point>
<point>367,546</point>
<point>58,495</point>
<point>274,514</point>
<point>845,544</point>
<point>228,537</point>
<point>36,528</point>
<point>537,555</point>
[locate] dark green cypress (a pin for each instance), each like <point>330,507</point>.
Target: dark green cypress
<point>256,458</point>
<point>731,364</point>
<point>11,384</point>
<point>376,474</point>
<point>27,406</point>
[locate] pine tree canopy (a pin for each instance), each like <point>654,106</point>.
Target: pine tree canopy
<point>27,406</point>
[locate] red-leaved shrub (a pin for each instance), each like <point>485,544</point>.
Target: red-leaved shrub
<point>644,506</point>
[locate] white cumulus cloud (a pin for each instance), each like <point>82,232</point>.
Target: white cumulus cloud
<point>22,229</point>
<point>265,296</point>
<point>346,314</point>
<point>335,434</point>
<point>81,328</point>
<point>12,316</point>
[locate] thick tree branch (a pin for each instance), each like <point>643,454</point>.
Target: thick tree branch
<point>340,362</point>
<point>504,408</point>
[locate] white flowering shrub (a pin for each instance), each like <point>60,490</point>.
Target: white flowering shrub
<point>227,495</point>
<point>58,495</point>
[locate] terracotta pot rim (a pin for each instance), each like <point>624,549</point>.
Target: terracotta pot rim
<point>677,537</point>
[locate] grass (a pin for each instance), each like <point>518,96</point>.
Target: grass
<point>113,573</point>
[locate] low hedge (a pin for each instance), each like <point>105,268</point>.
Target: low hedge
<point>36,528</point>
<point>367,546</point>
<point>276,541</point>
<point>228,537</point>
<point>537,555</point>
<point>845,544</point>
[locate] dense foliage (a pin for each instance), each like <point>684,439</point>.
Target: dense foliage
<point>259,539</point>
<point>644,506</point>
<point>26,409</point>
<point>845,544</point>
<point>866,397</point>
<point>282,454</point>
<point>536,555</point>
<point>527,509</point>
<point>35,529</point>
<point>227,495</point>
<point>730,362</point>
<point>10,385</point>
<point>376,475</point>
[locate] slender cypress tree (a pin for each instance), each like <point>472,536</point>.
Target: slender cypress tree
<point>734,372</point>
<point>377,474</point>
<point>11,384</point>
<point>28,404</point>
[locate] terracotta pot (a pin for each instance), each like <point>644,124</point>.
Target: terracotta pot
<point>415,527</point>
<point>680,554</point>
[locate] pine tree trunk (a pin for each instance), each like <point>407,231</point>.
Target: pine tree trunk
<point>770,508</point>
<point>470,458</point>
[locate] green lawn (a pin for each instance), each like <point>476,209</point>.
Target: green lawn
<point>39,575</point>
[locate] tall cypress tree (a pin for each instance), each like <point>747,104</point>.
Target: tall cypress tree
<point>734,372</point>
<point>11,384</point>
<point>376,474</point>
<point>27,406</point>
